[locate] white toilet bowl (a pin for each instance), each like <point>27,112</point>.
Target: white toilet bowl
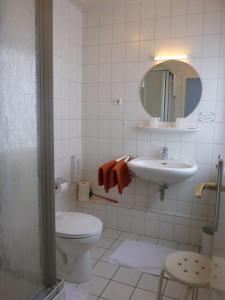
<point>76,233</point>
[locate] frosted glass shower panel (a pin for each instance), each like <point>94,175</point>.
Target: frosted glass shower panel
<point>20,238</point>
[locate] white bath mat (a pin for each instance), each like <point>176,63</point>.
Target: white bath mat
<point>74,293</point>
<point>145,257</point>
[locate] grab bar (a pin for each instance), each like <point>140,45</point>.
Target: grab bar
<point>218,194</point>
<point>209,186</point>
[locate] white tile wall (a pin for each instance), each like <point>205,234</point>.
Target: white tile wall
<point>118,43</point>
<point>67,93</point>
<point>115,46</point>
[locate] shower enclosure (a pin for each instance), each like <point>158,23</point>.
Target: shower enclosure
<point>27,234</point>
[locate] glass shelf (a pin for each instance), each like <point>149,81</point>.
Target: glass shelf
<point>185,129</point>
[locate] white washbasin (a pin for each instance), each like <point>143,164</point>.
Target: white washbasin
<point>162,171</point>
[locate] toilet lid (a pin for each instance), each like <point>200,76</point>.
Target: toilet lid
<point>77,225</point>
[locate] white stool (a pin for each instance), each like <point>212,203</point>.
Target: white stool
<point>189,268</point>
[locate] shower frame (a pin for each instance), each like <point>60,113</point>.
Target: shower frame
<point>44,48</point>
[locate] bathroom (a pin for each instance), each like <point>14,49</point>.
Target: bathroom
<point>103,53</point>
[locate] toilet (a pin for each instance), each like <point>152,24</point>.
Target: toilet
<point>76,233</point>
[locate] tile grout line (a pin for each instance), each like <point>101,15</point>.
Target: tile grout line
<point>136,286</point>
<point>98,297</point>
<point>119,266</point>
<point>111,280</point>
<point>108,283</point>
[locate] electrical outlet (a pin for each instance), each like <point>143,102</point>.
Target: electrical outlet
<point>118,101</point>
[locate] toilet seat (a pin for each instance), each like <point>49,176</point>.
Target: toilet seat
<point>75,225</point>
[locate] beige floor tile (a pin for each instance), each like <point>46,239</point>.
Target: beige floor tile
<point>204,294</point>
<point>175,290</point>
<point>105,242</point>
<point>149,282</point>
<point>97,252</point>
<point>93,261</point>
<point>115,245</point>
<point>143,295</point>
<point>125,279</point>
<point>127,276</point>
<point>107,256</point>
<point>95,286</point>
<point>91,297</point>
<point>105,269</point>
<point>117,291</point>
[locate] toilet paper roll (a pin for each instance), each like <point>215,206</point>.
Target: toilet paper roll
<point>84,189</point>
<point>62,187</point>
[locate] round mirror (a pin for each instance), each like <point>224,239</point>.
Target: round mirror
<point>170,90</point>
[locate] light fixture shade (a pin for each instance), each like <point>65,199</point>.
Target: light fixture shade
<point>169,57</point>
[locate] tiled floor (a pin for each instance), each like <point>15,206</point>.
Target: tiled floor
<point>112,282</point>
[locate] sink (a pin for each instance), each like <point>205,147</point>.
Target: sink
<point>162,171</point>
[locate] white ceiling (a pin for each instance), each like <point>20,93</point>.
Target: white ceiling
<point>93,2</point>
<point>89,2</point>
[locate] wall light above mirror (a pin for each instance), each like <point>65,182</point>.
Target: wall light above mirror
<point>170,57</point>
<point>170,90</point>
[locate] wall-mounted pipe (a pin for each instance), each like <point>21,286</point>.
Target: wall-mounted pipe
<point>217,186</point>
<point>218,194</point>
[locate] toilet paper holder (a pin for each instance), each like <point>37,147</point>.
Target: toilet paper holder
<point>58,183</point>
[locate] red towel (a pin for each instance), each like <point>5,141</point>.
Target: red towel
<point>103,174</point>
<point>120,175</point>
<point>112,177</point>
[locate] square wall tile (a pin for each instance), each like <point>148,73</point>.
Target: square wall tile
<point>162,28</point>
<point>166,230</point>
<point>204,153</point>
<point>195,24</point>
<point>118,42</point>
<point>119,13</point>
<point>137,225</point>
<point>147,29</point>
<point>147,9</point>
<point>212,22</point>
<point>152,228</point>
<point>119,32</point>
<point>178,26</point>
<point>124,223</point>
<point>106,34</point>
<point>163,8</point>
<point>111,233</point>
<point>195,6</point>
<point>179,7</point>
<point>133,12</point>
<point>133,31</point>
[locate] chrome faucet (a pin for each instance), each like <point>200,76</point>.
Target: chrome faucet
<point>164,153</point>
